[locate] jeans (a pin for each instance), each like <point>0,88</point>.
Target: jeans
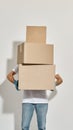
<point>27,113</point>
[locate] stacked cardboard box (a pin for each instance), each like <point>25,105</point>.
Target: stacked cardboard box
<point>35,59</point>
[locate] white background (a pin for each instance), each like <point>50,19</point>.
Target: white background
<point>57,15</point>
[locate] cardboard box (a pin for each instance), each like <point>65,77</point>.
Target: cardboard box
<point>35,53</point>
<point>36,77</point>
<point>36,34</point>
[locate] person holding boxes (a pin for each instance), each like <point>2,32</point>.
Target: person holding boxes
<point>36,75</point>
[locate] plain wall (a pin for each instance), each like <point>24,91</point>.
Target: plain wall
<point>57,15</point>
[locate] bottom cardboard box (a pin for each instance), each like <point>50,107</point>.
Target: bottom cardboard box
<point>36,77</point>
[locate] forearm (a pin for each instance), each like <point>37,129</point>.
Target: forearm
<point>59,80</point>
<point>10,76</point>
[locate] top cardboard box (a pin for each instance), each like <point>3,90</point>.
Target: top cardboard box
<point>36,34</point>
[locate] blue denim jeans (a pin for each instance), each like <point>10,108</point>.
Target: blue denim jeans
<point>27,113</point>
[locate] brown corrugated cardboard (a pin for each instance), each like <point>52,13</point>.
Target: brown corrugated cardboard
<point>36,34</point>
<point>36,77</point>
<point>35,53</point>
